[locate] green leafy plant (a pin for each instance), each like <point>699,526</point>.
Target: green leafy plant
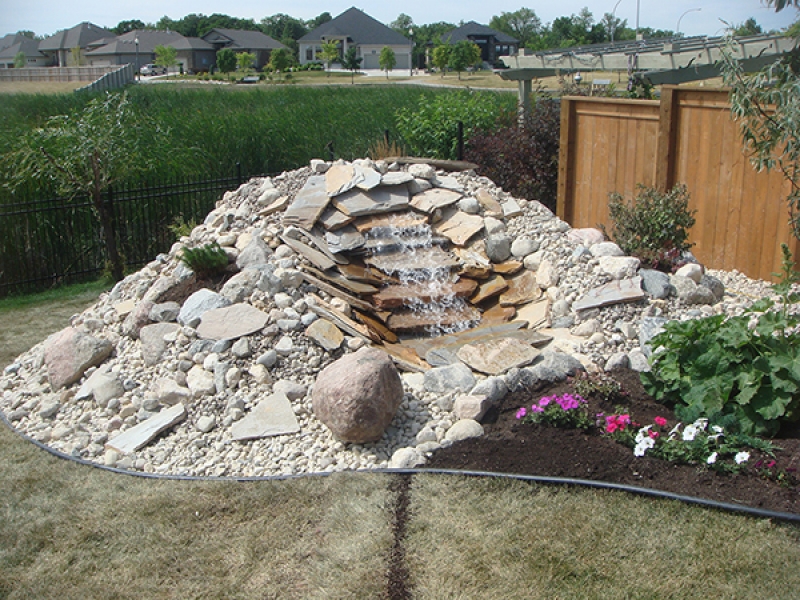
<point>746,366</point>
<point>654,227</point>
<point>600,385</point>
<point>566,410</point>
<point>206,260</point>
<point>181,227</point>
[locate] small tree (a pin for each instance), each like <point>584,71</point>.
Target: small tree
<point>387,60</point>
<point>86,153</point>
<point>441,57</point>
<point>245,61</point>
<point>20,60</point>
<point>352,62</point>
<point>464,54</point>
<point>767,106</point>
<point>166,56</point>
<point>329,54</point>
<point>279,60</point>
<point>226,60</point>
<point>75,57</point>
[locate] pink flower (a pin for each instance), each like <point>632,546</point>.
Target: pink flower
<point>653,434</point>
<point>545,401</point>
<point>660,421</point>
<point>536,409</point>
<point>521,412</point>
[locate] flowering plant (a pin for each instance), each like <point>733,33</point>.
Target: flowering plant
<point>565,410</point>
<point>696,443</point>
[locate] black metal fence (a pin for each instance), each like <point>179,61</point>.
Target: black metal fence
<point>52,241</point>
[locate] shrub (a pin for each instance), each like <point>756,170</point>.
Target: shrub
<point>206,260</point>
<point>523,160</point>
<point>431,128</point>
<point>655,227</point>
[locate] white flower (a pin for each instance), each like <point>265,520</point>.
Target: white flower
<point>741,457</point>
<point>701,423</point>
<point>674,431</point>
<point>643,446</point>
<point>689,433</point>
<point>642,434</point>
<point>712,458</point>
<point>717,429</point>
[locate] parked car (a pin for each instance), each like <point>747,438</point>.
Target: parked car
<point>153,70</point>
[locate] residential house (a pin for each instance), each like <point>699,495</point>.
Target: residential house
<point>68,48</point>
<point>138,48</point>
<point>243,40</point>
<point>13,44</point>
<point>493,43</point>
<point>355,28</point>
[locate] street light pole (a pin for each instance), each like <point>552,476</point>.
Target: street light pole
<point>136,41</point>
<point>614,20</point>
<point>637,20</point>
<point>678,26</point>
<point>411,51</point>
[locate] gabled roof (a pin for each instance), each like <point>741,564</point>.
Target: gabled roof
<point>148,40</point>
<point>476,29</point>
<point>26,45</point>
<point>242,38</point>
<point>11,39</point>
<point>359,27</point>
<point>79,36</point>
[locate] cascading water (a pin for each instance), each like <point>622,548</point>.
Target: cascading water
<point>430,286</point>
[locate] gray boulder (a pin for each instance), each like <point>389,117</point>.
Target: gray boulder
<point>656,284</point>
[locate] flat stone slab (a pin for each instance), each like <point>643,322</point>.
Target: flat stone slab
<point>491,207</point>
<point>521,290</point>
<point>369,178</point>
<point>394,296</point>
<point>272,416</point>
<point>429,200</point>
<point>399,220</point>
<point>421,258</point>
<point>345,239</point>
<point>534,313</point>
<point>459,227</point>
<point>142,434</point>
<point>308,204</point>
<point>396,178</point>
<point>326,334</point>
<point>314,256</point>
<point>341,178</point>
<point>614,292</point>
<point>356,287</point>
<point>409,321</point>
<point>231,322</point>
<point>358,203</point>
<point>498,314</point>
<point>494,287</point>
<point>333,219</point>
<point>497,356</point>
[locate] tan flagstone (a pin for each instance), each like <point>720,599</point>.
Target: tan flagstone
<point>358,203</point>
<point>309,203</point>
<point>140,435</point>
<point>272,416</point>
<point>494,287</point>
<point>534,313</point>
<point>341,178</point>
<point>459,227</point>
<point>521,290</point>
<point>326,334</point>
<point>429,200</point>
<point>497,356</point>
<point>231,322</point>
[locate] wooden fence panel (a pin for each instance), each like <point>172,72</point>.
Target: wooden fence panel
<point>689,137</point>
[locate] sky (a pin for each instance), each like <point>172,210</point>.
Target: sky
<point>45,17</point>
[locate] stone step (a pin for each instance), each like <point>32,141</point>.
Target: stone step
<point>395,296</point>
<point>406,321</point>
<point>417,260</point>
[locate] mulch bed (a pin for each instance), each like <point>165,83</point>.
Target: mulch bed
<point>510,446</point>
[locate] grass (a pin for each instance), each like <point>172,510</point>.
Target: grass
<point>40,87</point>
<point>27,320</point>
<point>72,531</point>
<point>508,539</point>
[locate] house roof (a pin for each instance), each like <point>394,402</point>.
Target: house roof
<point>79,36</point>
<point>26,45</point>
<point>148,40</point>
<point>472,28</point>
<point>10,39</point>
<point>242,38</point>
<point>359,27</point>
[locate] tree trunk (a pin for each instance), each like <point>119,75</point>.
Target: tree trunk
<point>106,223</point>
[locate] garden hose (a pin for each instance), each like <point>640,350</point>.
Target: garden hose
<point>540,479</point>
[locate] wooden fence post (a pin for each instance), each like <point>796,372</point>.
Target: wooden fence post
<point>565,199</point>
<point>667,138</point>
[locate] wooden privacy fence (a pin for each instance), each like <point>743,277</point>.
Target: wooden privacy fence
<point>611,145</point>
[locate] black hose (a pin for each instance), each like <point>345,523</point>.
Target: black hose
<point>541,479</point>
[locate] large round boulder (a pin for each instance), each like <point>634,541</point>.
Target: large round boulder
<point>357,396</point>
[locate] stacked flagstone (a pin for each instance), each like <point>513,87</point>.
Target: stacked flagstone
<point>160,376</point>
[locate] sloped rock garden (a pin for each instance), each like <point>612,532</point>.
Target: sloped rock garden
<point>370,315</point>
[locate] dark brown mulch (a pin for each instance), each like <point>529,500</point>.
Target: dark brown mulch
<point>510,446</point>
